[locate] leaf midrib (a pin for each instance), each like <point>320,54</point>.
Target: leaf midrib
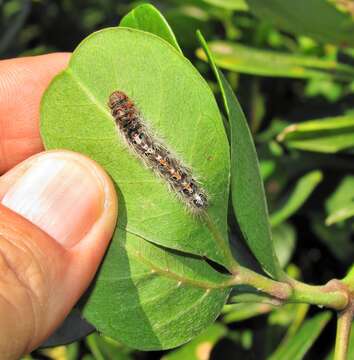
<point>167,273</point>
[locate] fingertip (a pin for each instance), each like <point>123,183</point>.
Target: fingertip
<point>66,194</point>
<point>22,84</point>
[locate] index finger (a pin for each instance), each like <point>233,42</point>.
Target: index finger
<point>22,83</point>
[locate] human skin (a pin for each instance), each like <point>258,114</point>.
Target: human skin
<point>58,211</point>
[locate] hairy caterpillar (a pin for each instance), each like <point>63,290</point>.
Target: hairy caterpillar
<point>154,153</point>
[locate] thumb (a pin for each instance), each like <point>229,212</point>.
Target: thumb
<point>57,214</point>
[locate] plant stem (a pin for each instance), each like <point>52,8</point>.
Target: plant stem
<point>244,276</point>
<point>331,295</point>
<point>344,323</point>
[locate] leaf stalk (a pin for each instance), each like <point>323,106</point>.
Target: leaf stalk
<point>244,276</point>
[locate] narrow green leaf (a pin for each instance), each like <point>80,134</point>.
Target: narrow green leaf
<point>267,168</point>
<point>199,348</point>
<point>296,347</point>
<point>318,19</point>
<point>245,294</point>
<point>248,60</point>
<point>300,311</point>
<point>302,191</point>
<point>150,298</point>
<point>328,135</point>
<point>284,238</point>
<point>338,239</point>
<point>94,348</point>
<point>241,312</point>
<point>68,352</point>
<point>341,214</point>
<point>340,205</point>
<point>147,18</point>
<point>239,5</point>
<point>106,348</point>
<point>248,197</point>
<point>176,103</point>
<point>349,279</point>
<point>88,357</point>
<point>286,316</point>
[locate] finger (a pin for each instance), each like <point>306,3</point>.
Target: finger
<point>57,214</point>
<point>22,83</point>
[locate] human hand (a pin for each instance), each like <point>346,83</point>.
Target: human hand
<point>57,213</point>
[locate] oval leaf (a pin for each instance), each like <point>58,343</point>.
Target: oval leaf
<point>180,108</point>
<point>147,18</point>
<point>150,298</point>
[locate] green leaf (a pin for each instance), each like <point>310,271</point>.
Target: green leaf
<point>147,18</point>
<point>105,348</point>
<point>200,347</point>
<point>349,279</point>
<point>245,294</point>
<point>69,352</point>
<point>88,357</point>
<point>150,298</point>
<point>147,296</point>
<point>340,205</point>
<point>328,135</point>
<point>284,238</point>
<point>341,214</point>
<point>94,348</point>
<point>239,5</point>
<point>287,316</point>
<point>267,168</point>
<point>176,103</point>
<point>296,347</point>
<point>336,238</point>
<point>248,60</point>
<point>318,19</point>
<point>240,312</point>
<point>248,197</point>
<point>302,191</point>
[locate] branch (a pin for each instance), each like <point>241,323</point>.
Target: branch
<point>344,323</point>
<point>333,295</point>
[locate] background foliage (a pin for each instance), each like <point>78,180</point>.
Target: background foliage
<point>295,82</point>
